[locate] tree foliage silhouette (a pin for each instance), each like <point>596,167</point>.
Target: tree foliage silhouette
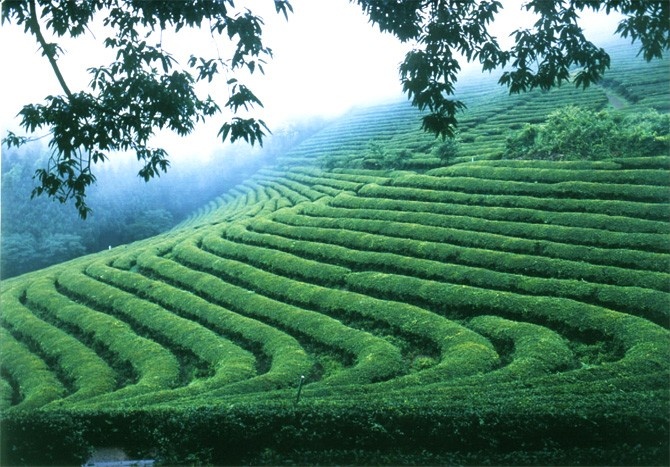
<point>144,89</point>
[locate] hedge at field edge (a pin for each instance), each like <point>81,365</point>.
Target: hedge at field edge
<point>244,432</point>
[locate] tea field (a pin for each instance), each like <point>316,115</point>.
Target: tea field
<point>348,305</point>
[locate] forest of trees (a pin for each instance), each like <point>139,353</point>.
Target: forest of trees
<point>38,232</point>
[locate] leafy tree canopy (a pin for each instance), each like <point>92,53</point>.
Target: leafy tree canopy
<point>144,89</point>
<point>573,133</point>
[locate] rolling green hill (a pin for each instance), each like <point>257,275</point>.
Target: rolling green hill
<point>348,305</point>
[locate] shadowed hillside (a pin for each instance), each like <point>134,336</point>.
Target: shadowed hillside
<point>367,301</point>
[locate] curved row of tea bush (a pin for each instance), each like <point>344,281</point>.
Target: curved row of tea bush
<point>601,222</point>
<point>374,357</point>
<point>640,210</point>
<point>452,300</point>
<point>642,248</point>
<point>453,340</point>
<point>620,163</point>
<point>560,190</point>
<point>37,385</point>
<point>294,197</point>
<point>356,176</point>
<point>529,265</point>
<point>302,189</point>
<point>152,366</point>
<point>339,184</point>
<point>554,175</point>
<point>532,257</point>
<point>537,349</point>
<point>81,371</point>
<point>301,280</point>
<point>287,359</point>
<point>181,336</point>
<point>654,305</point>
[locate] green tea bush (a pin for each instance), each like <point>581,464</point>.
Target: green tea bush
<point>658,162</point>
<point>7,396</point>
<point>610,164</point>
<point>326,190</point>
<point>440,237</point>
<point>80,370</point>
<point>231,363</point>
<point>631,332</point>
<point>477,425</point>
<point>152,365</point>
<point>340,303</point>
<point>560,190</point>
<point>351,175</point>
<point>284,191</point>
<point>276,261</point>
<point>288,358</point>
<point>375,358</point>
<point>276,345</point>
<point>646,211</point>
<point>341,185</point>
<point>37,384</point>
<point>401,317</point>
<point>653,305</point>
<point>647,244</point>
<point>530,265</point>
<point>302,188</point>
<point>227,361</point>
<point>555,175</point>
<point>536,350</point>
<point>519,215</point>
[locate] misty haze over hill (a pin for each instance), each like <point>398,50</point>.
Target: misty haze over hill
<point>37,233</point>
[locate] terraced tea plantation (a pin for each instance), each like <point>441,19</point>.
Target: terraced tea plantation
<point>483,312</point>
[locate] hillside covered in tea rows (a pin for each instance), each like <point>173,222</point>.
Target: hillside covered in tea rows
<point>372,297</point>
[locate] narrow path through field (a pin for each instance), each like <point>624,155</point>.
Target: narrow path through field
<point>615,99</point>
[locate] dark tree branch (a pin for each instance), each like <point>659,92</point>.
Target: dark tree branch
<point>46,48</point>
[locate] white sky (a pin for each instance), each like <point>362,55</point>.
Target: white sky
<point>327,58</point>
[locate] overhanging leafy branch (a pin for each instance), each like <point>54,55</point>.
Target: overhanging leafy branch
<point>143,90</point>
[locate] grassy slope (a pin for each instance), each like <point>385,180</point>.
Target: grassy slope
<point>490,311</point>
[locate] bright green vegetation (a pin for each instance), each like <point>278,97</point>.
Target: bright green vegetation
<point>572,133</point>
<point>471,310</point>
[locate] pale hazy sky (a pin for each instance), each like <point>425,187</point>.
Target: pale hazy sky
<point>327,58</point>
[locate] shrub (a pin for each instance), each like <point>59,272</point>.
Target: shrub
<point>447,150</point>
<point>560,190</point>
<point>637,336</point>
<point>537,350</point>
<point>573,133</point>
<point>642,249</point>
